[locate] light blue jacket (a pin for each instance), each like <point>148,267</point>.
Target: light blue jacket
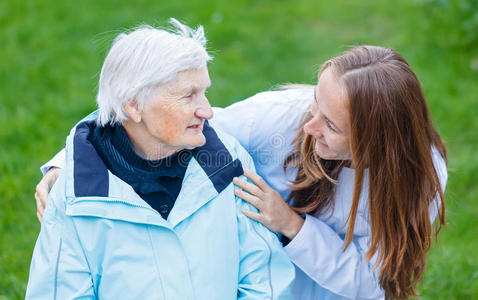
<point>100,240</point>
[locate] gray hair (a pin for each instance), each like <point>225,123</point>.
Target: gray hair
<point>142,59</point>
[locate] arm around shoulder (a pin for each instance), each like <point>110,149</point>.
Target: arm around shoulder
<point>57,161</point>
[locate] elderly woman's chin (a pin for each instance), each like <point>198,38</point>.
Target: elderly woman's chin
<point>193,138</point>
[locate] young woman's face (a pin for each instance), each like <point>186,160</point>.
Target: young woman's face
<point>330,124</point>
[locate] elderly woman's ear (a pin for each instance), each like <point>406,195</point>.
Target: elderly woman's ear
<point>132,110</point>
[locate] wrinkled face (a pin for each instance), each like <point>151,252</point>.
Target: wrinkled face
<point>176,113</point>
<point>330,124</point>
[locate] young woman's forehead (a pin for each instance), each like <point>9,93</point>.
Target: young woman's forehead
<point>331,97</point>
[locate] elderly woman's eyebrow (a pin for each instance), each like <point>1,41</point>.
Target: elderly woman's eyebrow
<point>188,89</point>
<point>196,87</point>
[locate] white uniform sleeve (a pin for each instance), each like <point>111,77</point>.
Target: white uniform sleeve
<point>57,161</point>
<point>236,120</point>
<point>265,125</point>
<point>318,251</point>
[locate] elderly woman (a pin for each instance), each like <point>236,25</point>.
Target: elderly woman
<point>145,207</point>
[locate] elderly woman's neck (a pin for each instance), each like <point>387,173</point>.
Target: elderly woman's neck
<point>146,145</point>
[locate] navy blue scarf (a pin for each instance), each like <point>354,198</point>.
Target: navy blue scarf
<point>158,182</point>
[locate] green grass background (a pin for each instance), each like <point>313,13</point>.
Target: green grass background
<point>51,53</point>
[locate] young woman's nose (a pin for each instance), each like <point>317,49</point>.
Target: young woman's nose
<point>313,127</point>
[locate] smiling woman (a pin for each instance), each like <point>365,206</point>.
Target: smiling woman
<point>330,123</point>
<point>367,164</point>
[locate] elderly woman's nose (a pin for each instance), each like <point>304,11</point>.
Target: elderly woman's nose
<point>204,111</point>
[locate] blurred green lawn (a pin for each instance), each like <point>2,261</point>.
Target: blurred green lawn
<point>52,52</point>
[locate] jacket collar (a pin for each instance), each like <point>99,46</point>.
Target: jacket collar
<point>93,190</point>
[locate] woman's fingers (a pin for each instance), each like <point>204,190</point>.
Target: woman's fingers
<point>41,196</point>
<point>252,215</point>
<point>43,189</point>
<point>256,179</point>
<point>39,216</point>
<point>249,198</point>
<point>247,186</point>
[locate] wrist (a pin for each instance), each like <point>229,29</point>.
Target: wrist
<point>293,226</point>
<point>52,176</point>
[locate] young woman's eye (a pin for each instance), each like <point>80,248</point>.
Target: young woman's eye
<point>330,126</point>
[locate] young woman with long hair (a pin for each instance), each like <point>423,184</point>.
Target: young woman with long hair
<point>350,172</point>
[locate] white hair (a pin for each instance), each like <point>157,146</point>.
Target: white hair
<point>143,58</point>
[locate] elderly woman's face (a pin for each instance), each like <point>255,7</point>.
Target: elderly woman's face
<point>175,115</point>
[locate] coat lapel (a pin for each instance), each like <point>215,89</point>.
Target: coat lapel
<point>209,172</point>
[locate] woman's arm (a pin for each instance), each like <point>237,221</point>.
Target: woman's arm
<point>50,171</point>
<point>57,161</point>
<point>43,189</point>
<point>317,250</point>
<point>315,247</point>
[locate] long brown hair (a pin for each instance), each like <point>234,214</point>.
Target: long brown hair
<point>392,135</point>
